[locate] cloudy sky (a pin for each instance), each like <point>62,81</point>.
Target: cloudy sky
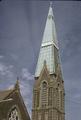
<point>22,24</point>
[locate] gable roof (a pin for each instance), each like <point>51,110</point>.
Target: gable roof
<point>5,93</point>
<point>11,97</point>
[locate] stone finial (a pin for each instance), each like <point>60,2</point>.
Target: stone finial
<point>17,84</point>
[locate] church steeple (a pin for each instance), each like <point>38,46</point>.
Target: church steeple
<point>48,92</point>
<point>49,46</point>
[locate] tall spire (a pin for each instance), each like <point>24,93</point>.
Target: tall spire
<point>50,30</point>
<point>50,10</point>
<point>49,46</point>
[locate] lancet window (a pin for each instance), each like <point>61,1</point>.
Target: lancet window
<point>44,94</point>
<point>13,114</point>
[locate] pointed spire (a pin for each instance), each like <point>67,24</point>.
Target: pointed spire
<point>50,13</point>
<point>49,35</point>
<point>17,84</point>
<point>49,46</point>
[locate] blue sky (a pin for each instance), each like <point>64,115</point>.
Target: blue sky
<point>22,24</point>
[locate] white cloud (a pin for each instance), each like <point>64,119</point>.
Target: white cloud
<point>26,86</point>
<point>6,70</point>
<point>26,74</point>
<point>25,83</point>
<point>26,91</point>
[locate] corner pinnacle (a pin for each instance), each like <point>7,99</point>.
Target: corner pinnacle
<point>17,84</point>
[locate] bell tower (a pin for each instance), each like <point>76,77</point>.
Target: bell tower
<point>48,91</point>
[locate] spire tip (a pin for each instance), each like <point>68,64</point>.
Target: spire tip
<point>50,3</point>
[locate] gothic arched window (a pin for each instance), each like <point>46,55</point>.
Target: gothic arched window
<point>50,96</point>
<point>44,94</point>
<point>14,114</point>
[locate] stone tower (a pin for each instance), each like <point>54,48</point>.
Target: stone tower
<point>48,91</point>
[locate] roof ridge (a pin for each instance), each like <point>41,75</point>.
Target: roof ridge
<point>6,90</point>
<point>5,93</point>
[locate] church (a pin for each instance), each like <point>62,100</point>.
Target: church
<point>48,90</point>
